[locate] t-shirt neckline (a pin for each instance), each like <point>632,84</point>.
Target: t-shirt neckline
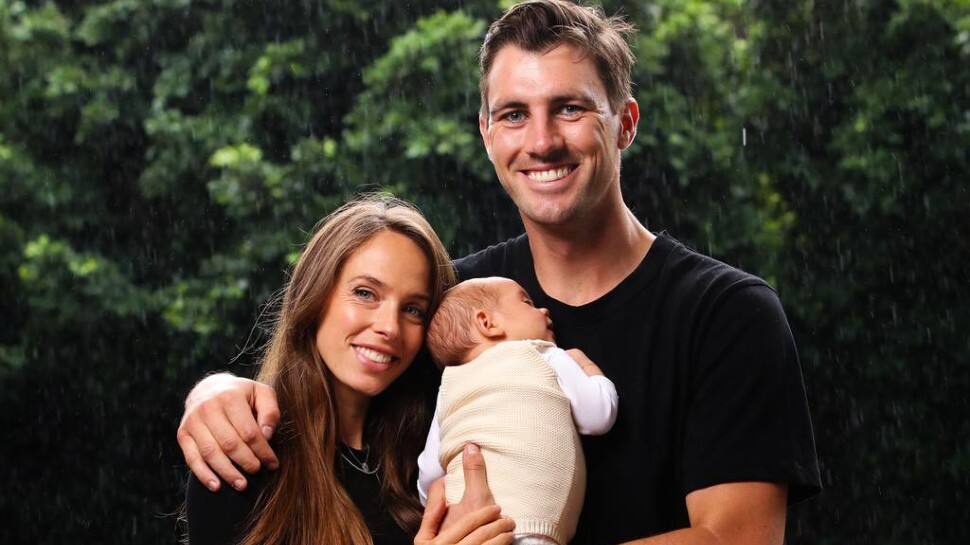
<point>644,272</point>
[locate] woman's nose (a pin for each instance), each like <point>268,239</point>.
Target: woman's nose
<point>386,321</point>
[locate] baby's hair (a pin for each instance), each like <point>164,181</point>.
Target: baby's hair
<point>451,333</point>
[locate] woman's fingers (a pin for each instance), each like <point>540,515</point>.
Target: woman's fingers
<point>484,526</point>
<point>477,493</point>
<point>461,529</point>
<point>476,479</point>
<point>502,539</point>
<point>434,513</point>
<point>498,531</point>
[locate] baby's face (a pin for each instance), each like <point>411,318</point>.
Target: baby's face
<point>518,316</point>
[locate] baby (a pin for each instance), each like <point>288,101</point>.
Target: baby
<point>507,388</point>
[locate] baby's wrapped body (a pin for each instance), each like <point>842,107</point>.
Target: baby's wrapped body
<point>523,403</point>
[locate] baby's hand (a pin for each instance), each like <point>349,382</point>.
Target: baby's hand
<point>590,368</point>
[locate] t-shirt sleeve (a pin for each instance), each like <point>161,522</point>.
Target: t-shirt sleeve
<point>497,260</point>
<point>748,416</point>
<point>218,518</point>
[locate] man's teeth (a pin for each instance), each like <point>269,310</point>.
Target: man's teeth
<point>548,175</point>
<point>373,355</point>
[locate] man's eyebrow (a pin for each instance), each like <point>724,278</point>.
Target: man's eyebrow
<point>507,105</point>
<point>583,98</point>
<point>574,97</point>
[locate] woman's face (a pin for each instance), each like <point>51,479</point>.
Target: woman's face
<point>374,320</point>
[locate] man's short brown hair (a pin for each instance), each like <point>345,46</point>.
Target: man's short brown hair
<point>451,333</point>
<point>539,25</point>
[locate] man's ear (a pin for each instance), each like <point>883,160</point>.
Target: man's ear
<point>483,130</point>
<point>487,326</point>
<point>629,117</point>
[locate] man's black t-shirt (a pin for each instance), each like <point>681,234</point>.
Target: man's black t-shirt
<point>708,378</point>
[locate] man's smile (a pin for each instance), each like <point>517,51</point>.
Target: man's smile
<point>549,175</point>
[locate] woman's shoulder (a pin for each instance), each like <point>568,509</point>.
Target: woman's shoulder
<point>221,517</point>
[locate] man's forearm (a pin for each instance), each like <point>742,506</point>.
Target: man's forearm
<point>744,513</point>
<point>686,536</point>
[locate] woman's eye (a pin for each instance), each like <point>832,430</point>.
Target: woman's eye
<point>415,311</point>
<point>363,293</point>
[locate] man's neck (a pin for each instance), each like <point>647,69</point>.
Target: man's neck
<point>579,263</point>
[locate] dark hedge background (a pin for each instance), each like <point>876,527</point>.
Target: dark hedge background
<point>162,160</point>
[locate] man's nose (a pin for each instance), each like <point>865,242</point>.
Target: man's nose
<point>543,137</point>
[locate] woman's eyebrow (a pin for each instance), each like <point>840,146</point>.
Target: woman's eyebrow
<point>424,296</point>
<point>368,278</point>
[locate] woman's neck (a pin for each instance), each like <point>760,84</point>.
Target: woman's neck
<point>351,415</point>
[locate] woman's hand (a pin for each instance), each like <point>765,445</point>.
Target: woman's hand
<point>483,526</point>
<point>219,428</point>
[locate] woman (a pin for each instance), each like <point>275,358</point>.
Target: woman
<point>351,322</point>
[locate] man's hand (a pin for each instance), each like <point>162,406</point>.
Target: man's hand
<point>590,368</point>
<point>219,427</point>
<point>482,526</point>
<point>477,494</point>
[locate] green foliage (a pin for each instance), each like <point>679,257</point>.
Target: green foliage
<point>162,161</point>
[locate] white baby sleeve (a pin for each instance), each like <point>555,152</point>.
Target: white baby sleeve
<point>429,467</point>
<point>593,399</point>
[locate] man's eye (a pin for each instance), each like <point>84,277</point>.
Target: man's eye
<point>514,117</point>
<point>571,110</point>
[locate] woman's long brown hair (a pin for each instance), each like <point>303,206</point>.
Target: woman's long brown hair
<point>305,504</point>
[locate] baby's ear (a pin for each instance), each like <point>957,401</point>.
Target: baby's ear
<point>487,326</point>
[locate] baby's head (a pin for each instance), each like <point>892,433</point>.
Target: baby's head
<point>478,313</point>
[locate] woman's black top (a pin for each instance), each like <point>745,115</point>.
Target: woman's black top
<point>223,517</point>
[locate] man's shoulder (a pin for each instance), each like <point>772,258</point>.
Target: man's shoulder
<point>501,259</point>
<point>695,274</point>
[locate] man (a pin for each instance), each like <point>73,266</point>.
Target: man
<point>713,437</point>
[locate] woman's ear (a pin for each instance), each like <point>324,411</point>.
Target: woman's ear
<point>487,326</point>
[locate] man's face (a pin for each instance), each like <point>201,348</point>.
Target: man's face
<point>551,135</point>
